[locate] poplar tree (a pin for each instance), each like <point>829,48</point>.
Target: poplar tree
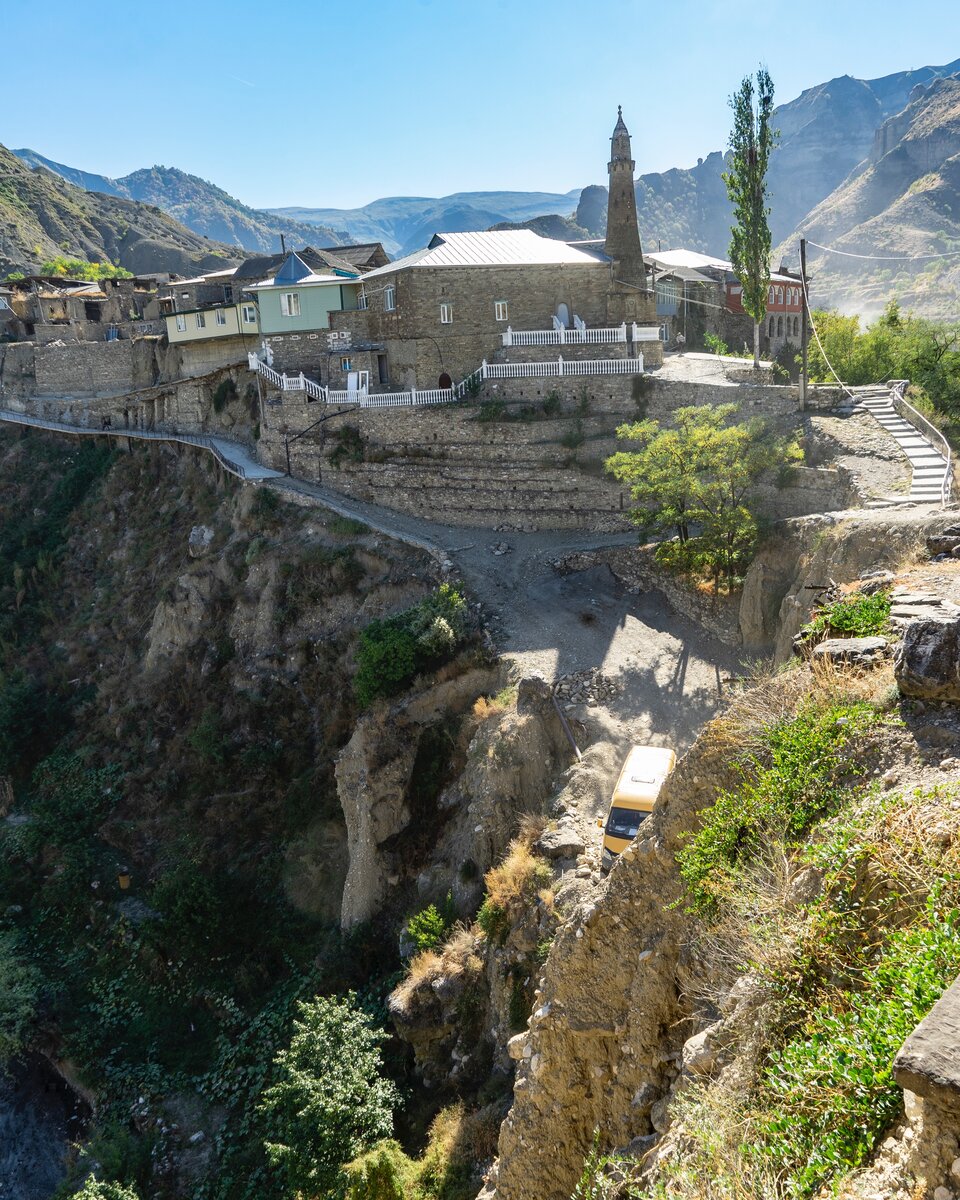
<point>752,140</point>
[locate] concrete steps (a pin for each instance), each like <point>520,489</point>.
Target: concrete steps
<point>929,466</point>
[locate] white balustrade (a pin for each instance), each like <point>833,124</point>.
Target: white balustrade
<point>563,366</point>
<point>580,335</point>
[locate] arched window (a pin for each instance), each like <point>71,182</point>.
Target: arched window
<point>779,295</point>
<point>779,326</point>
<point>771,295</point>
<point>770,330</point>
<point>796,326</point>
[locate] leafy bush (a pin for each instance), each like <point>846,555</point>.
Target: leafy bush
<point>393,650</point>
<point>715,344</point>
<point>574,436</point>
<point>857,615</point>
<point>329,1103</point>
<point>830,1092</point>
<point>510,887</point>
<point>492,410</point>
<point>383,1173</point>
<point>95,1189</point>
<point>78,268</point>
<point>795,780</point>
<point>19,990</point>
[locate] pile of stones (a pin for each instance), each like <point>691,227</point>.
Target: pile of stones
<point>585,687</point>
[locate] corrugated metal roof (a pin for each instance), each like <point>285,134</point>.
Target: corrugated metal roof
<point>695,261</point>
<point>495,248</point>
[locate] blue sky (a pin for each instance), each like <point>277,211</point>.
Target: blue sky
<point>323,103</point>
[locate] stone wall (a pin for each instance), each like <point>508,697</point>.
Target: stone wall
<point>526,468</point>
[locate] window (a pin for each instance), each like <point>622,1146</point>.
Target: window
<point>500,310</point>
<point>770,331</point>
<point>446,314</point>
<point>184,295</point>
<point>362,301</point>
<point>779,326</point>
<point>389,299</point>
<point>201,320</point>
<point>770,296</point>
<point>181,324</point>
<point>249,314</point>
<point>290,304</point>
<point>345,364</point>
<point>221,317</point>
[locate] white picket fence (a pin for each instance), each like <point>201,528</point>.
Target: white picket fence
<point>580,335</point>
<point>416,396</point>
<point>563,367</point>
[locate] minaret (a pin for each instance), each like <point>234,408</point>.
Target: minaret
<point>623,236</point>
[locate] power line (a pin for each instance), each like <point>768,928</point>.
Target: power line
<point>884,257</point>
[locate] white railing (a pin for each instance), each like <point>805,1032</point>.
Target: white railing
<point>580,335</point>
<point>468,385</point>
<point>906,410</point>
<point>562,367</point>
<point>364,399</point>
<point>413,397</point>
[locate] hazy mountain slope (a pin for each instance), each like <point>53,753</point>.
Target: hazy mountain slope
<point>86,180</point>
<point>42,215</point>
<point>902,201</point>
<point>198,204</point>
<point>401,222</point>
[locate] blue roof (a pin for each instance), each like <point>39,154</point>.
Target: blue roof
<point>293,270</point>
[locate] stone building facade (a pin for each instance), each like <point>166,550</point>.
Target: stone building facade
<point>430,319</point>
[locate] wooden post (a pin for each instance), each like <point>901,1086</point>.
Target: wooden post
<point>804,317</point>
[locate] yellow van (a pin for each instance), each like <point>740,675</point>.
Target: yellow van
<point>634,797</point>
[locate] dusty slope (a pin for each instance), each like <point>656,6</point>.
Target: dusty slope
<point>44,216</point>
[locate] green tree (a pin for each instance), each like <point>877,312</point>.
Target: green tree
<point>695,480</point>
<point>330,1103</point>
<point>752,140</point>
<point>19,988</point>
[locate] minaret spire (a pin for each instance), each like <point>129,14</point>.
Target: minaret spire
<point>623,235</point>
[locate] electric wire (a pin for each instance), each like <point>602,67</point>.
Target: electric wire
<point>884,257</point>
<point>813,326</point>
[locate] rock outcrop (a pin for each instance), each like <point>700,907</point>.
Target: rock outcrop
<point>606,1038</point>
<point>927,663</point>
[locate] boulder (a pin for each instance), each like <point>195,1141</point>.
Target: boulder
<point>945,541</point>
<point>199,542</point>
<point>859,651</point>
<point>564,842</point>
<point>927,663</point>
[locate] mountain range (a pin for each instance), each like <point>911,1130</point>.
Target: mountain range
<point>846,146</point>
<point>43,215</point>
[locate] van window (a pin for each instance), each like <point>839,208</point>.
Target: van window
<point>624,822</point>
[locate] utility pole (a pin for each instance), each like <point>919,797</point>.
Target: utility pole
<point>805,316</point>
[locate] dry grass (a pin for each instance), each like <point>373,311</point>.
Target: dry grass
<point>457,959</point>
<point>521,873</point>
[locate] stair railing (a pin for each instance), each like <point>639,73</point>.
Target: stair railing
<point>906,410</point>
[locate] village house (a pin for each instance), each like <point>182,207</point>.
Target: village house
<point>48,308</point>
<point>430,319</point>
<point>697,294</point>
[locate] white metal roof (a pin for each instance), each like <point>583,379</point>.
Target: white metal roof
<point>496,248</point>
<point>201,278</point>
<point>695,261</point>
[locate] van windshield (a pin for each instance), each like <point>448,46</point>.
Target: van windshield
<point>624,822</point>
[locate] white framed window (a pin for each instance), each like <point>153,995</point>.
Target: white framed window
<point>249,314</point>
<point>500,310</point>
<point>345,364</point>
<point>290,304</point>
<point>181,324</point>
<point>201,321</point>
<point>362,301</point>
<point>389,299</point>
<point>221,317</point>
<point>446,314</point>
<point>779,295</point>
<point>184,295</point>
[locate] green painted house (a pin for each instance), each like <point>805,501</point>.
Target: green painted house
<point>298,300</point>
